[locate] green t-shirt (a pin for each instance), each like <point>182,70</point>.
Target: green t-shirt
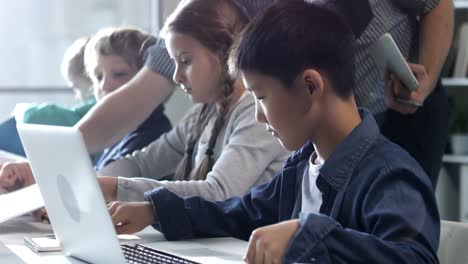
<point>52,114</point>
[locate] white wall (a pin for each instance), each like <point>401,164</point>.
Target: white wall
<point>8,99</point>
<point>167,7</point>
<point>34,34</point>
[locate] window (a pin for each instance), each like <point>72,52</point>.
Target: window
<point>34,34</point>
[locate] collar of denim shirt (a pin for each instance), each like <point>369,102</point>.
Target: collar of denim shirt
<point>347,155</point>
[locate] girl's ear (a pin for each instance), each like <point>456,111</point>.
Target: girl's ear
<point>313,81</point>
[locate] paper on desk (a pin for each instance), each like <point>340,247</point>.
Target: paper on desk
<point>7,157</point>
<point>20,202</point>
<point>125,237</point>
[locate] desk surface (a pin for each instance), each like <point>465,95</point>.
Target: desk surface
<point>212,250</point>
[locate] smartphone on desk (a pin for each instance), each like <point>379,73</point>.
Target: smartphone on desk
<point>46,243</point>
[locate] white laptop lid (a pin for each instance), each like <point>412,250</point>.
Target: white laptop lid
<point>71,193</point>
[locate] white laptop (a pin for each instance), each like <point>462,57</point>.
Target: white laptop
<point>71,193</point>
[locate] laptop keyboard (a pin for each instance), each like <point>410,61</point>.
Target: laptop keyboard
<point>141,254</point>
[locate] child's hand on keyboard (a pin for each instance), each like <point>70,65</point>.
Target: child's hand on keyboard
<point>130,217</point>
<point>41,215</point>
<point>268,244</point>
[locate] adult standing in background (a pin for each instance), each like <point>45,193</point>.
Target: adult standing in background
<point>423,31</point>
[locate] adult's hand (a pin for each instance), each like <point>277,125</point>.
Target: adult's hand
<point>400,98</point>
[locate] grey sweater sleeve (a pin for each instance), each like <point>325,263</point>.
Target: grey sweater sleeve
<point>249,157</point>
<point>154,161</point>
<point>157,160</point>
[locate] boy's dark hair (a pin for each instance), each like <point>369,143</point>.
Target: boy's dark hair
<point>291,36</point>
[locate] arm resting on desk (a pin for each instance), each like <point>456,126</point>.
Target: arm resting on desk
<point>178,218</point>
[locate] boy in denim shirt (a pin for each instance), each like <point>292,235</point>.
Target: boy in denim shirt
<point>348,195</point>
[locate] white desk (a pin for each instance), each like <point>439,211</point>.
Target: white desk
<point>461,161</point>
<point>12,249</point>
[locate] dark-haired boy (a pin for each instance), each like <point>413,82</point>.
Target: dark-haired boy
<point>352,195</point>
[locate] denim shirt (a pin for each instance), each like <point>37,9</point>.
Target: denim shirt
<point>378,206</point>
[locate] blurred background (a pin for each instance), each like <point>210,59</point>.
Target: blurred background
<point>35,34</point>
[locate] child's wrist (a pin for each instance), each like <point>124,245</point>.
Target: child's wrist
<point>151,216</point>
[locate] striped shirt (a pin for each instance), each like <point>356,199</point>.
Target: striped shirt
<point>397,17</point>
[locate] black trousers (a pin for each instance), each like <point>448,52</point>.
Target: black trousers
<point>423,134</point>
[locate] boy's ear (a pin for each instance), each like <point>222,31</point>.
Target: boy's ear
<point>313,81</point>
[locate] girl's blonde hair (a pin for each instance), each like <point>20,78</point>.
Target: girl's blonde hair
<point>215,24</point>
<point>129,43</point>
